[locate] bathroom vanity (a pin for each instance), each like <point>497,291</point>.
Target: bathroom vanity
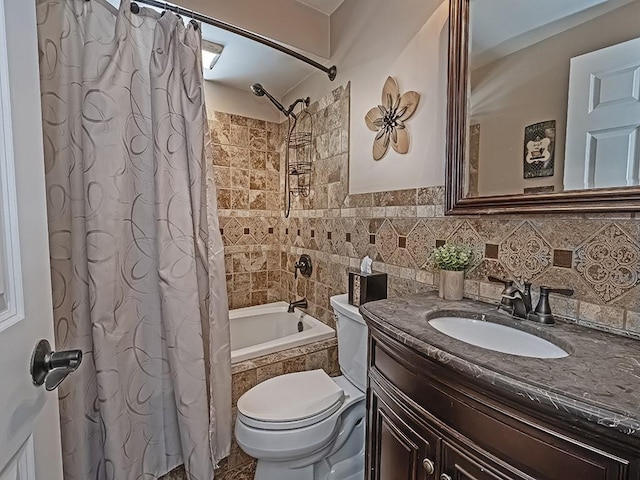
<point>445,409</point>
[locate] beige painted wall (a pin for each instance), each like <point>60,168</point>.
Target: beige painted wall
<point>531,86</point>
<point>370,40</point>
<point>226,99</point>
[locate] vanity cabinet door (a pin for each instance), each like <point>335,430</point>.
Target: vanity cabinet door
<point>399,448</point>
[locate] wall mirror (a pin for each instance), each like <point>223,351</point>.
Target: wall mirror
<point>544,106</point>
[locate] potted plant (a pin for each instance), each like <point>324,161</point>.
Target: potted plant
<point>451,260</point>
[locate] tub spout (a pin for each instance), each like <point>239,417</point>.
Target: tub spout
<point>302,303</point>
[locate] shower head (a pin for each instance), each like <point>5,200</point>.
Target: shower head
<point>257,89</point>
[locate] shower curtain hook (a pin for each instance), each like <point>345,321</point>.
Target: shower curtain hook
<point>193,21</point>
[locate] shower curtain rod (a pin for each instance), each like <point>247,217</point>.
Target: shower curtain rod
<point>330,71</point>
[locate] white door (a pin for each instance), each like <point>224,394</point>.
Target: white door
<point>603,118</point>
<point>29,424</point>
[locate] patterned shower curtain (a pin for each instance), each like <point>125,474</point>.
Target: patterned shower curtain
<point>136,253</point>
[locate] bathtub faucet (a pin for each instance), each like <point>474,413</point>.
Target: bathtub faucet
<point>302,303</point>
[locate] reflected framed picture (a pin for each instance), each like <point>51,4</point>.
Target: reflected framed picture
<point>539,149</point>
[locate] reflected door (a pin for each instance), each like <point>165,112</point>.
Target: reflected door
<point>29,424</point>
<point>603,118</point>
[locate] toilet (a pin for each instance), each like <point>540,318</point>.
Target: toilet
<point>307,425</point>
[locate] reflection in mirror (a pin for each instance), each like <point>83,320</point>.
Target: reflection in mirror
<point>554,101</point>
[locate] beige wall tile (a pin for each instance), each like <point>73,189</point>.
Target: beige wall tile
<point>242,383</point>
<point>269,371</point>
<point>317,360</point>
<point>612,317</point>
<point>633,321</point>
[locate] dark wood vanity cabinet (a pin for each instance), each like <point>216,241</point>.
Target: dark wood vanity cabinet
<point>429,422</point>
<point>401,447</point>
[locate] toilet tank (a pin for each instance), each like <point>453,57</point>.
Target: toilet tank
<point>352,335</point>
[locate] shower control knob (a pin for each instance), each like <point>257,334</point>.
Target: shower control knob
<point>51,368</point>
<point>304,265</point>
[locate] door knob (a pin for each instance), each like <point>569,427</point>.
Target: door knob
<point>51,368</point>
<point>429,466</point>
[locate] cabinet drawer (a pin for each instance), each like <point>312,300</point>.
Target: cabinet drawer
<point>534,447</point>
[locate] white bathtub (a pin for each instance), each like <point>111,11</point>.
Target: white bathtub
<point>265,329</point>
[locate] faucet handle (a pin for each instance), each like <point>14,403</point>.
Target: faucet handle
<point>507,297</point>
<point>304,265</point>
<point>542,312</point>
<point>561,291</point>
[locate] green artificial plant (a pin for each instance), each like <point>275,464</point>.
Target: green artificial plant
<point>452,257</point>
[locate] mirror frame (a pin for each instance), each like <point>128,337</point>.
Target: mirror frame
<point>620,199</point>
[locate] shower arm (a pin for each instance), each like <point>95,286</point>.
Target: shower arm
<point>293,105</point>
<point>330,71</point>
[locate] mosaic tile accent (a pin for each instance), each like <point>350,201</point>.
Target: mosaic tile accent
<point>233,231</point>
<point>525,253</point>
<point>360,239</point>
<point>563,258</point>
<point>386,240</point>
<point>465,234</point>
<point>491,251</point>
<point>420,242</point>
<point>609,262</point>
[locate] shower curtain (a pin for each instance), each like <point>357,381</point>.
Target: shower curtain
<point>136,252</point>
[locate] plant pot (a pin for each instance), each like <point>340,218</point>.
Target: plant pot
<point>451,284</point>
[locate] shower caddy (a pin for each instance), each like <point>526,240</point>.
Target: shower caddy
<point>299,155</point>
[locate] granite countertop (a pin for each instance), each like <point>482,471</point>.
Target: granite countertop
<point>598,382</point>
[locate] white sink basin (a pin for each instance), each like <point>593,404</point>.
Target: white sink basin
<point>499,338</point>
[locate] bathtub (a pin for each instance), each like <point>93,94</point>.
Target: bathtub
<point>265,329</point>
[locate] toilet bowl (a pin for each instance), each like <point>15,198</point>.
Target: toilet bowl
<point>307,425</point>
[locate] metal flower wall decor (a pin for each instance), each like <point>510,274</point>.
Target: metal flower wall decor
<point>389,119</point>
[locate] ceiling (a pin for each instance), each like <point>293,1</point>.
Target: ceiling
<point>324,6</point>
<point>244,62</point>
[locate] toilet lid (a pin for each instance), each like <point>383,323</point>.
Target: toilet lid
<point>291,397</point>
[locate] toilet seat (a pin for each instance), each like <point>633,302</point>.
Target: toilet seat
<point>290,401</point>
<point>278,441</point>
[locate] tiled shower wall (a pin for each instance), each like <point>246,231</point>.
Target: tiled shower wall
<point>247,173</point>
<point>598,256</point>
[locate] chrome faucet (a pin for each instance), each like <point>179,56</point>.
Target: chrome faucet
<point>302,303</point>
